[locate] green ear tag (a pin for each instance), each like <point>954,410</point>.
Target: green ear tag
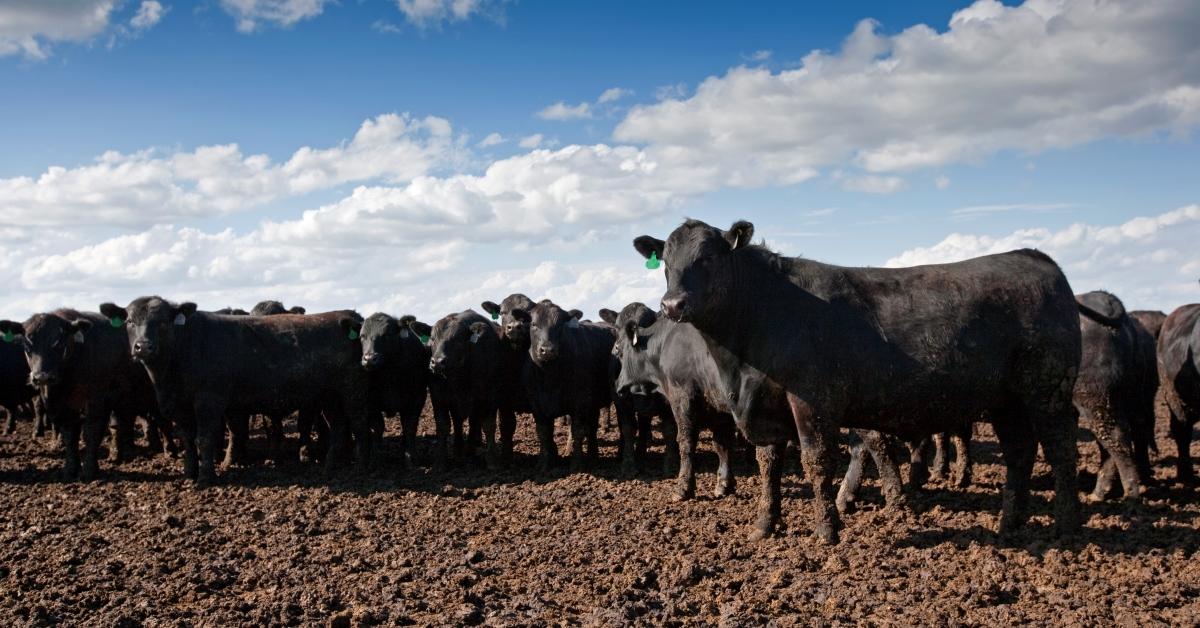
<point>495,316</point>
<point>353,335</point>
<point>116,321</point>
<point>424,339</point>
<point>653,262</point>
<point>8,337</point>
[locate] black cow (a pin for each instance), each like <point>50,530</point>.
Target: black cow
<point>514,357</point>
<point>1109,392</point>
<point>662,357</point>
<point>465,357</point>
<point>907,351</point>
<point>397,362</point>
<point>643,406</point>
<point>234,311</point>
<point>205,366</point>
<point>81,363</point>
<point>16,393</point>
<point>1151,320</point>
<point>273,308</point>
<point>1179,378</point>
<point>568,374</point>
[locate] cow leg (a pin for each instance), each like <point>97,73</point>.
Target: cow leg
<point>632,446</point>
<point>239,435</point>
<point>186,430</point>
<point>338,434</point>
<point>121,427</point>
<point>578,429</point>
<point>456,422</point>
<point>441,421</point>
<point>722,436</point>
<point>95,424</point>
<point>818,438</point>
<point>69,431</point>
<point>593,436</point>
<point>304,426</point>
<point>1143,436</point>
<point>686,436</point>
<point>275,439</point>
<point>487,423</point>
<point>885,464</point>
<point>409,420</point>
<point>961,470</point>
<point>645,433</point>
<point>1019,445</point>
<point>918,466</point>
<point>210,421</point>
<point>670,443</point>
<point>508,426</point>
<point>770,472</point>
<point>1181,433</point>
<point>1113,436</point>
<point>10,420</point>
<point>851,482</point>
<point>1105,476</point>
<point>940,468</point>
<point>547,450</point>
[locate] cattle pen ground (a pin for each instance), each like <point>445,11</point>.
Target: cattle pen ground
<point>285,546</point>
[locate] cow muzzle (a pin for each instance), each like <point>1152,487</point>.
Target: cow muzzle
<point>675,307</point>
<point>371,360</point>
<point>42,378</point>
<point>144,349</point>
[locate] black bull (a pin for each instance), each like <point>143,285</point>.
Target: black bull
<point>907,351</point>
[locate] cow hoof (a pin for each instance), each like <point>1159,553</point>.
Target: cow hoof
<point>722,491</point>
<point>826,533</point>
<point>683,494</point>
<point>764,527</point>
<point>1094,498</point>
<point>844,507</point>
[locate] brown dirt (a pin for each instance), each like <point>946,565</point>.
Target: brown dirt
<point>283,546</point>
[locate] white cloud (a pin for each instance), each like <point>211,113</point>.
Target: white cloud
<point>385,27</point>
<point>147,187</point>
<point>758,56</point>
<point>614,94</point>
<point>1046,74</point>
<point>975,211</point>
<point>491,140</point>
<point>149,13</point>
<point>531,141</point>
<point>1149,262</point>
<point>250,15</point>
<point>423,13</point>
<point>28,27</point>
<point>874,184</point>
<point>562,111</point>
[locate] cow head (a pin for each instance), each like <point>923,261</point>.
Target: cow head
<point>638,377</point>
<point>548,324</point>
<point>513,326</point>
<point>272,308</point>
<point>152,325</point>
<point>49,341</point>
<point>700,266</point>
<point>453,338</point>
<point>384,338</point>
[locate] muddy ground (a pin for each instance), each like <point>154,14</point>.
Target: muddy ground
<point>274,546</point>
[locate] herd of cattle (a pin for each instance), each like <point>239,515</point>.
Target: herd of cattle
<point>781,350</point>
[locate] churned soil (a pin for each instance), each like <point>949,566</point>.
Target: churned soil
<point>286,546</point>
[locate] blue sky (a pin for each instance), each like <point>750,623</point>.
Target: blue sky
<point>934,131</point>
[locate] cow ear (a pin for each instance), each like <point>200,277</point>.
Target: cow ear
<point>608,316</point>
<point>115,314</point>
<point>184,311</point>
<point>423,330</point>
<point>477,331</point>
<point>739,234</point>
<point>522,315</point>
<point>491,308</point>
<point>10,330</point>
<point>647,245</point>
<point>576,314</point>
<point>631,332</point>
<point>296,309</point>
<point>351,326</point>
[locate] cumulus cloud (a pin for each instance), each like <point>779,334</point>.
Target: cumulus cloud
<point>562,111</point>
<point>531,141</point>
<point>1149,262</point>
<point>250,15</point>
<point>1042,75</point>
<point>424,13</point>
<point>149,13</point>
<point>148,186</point>
<point>492,139</point>
<point>614,94</point>
<point>874,184</point>
<point>29,27</point>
